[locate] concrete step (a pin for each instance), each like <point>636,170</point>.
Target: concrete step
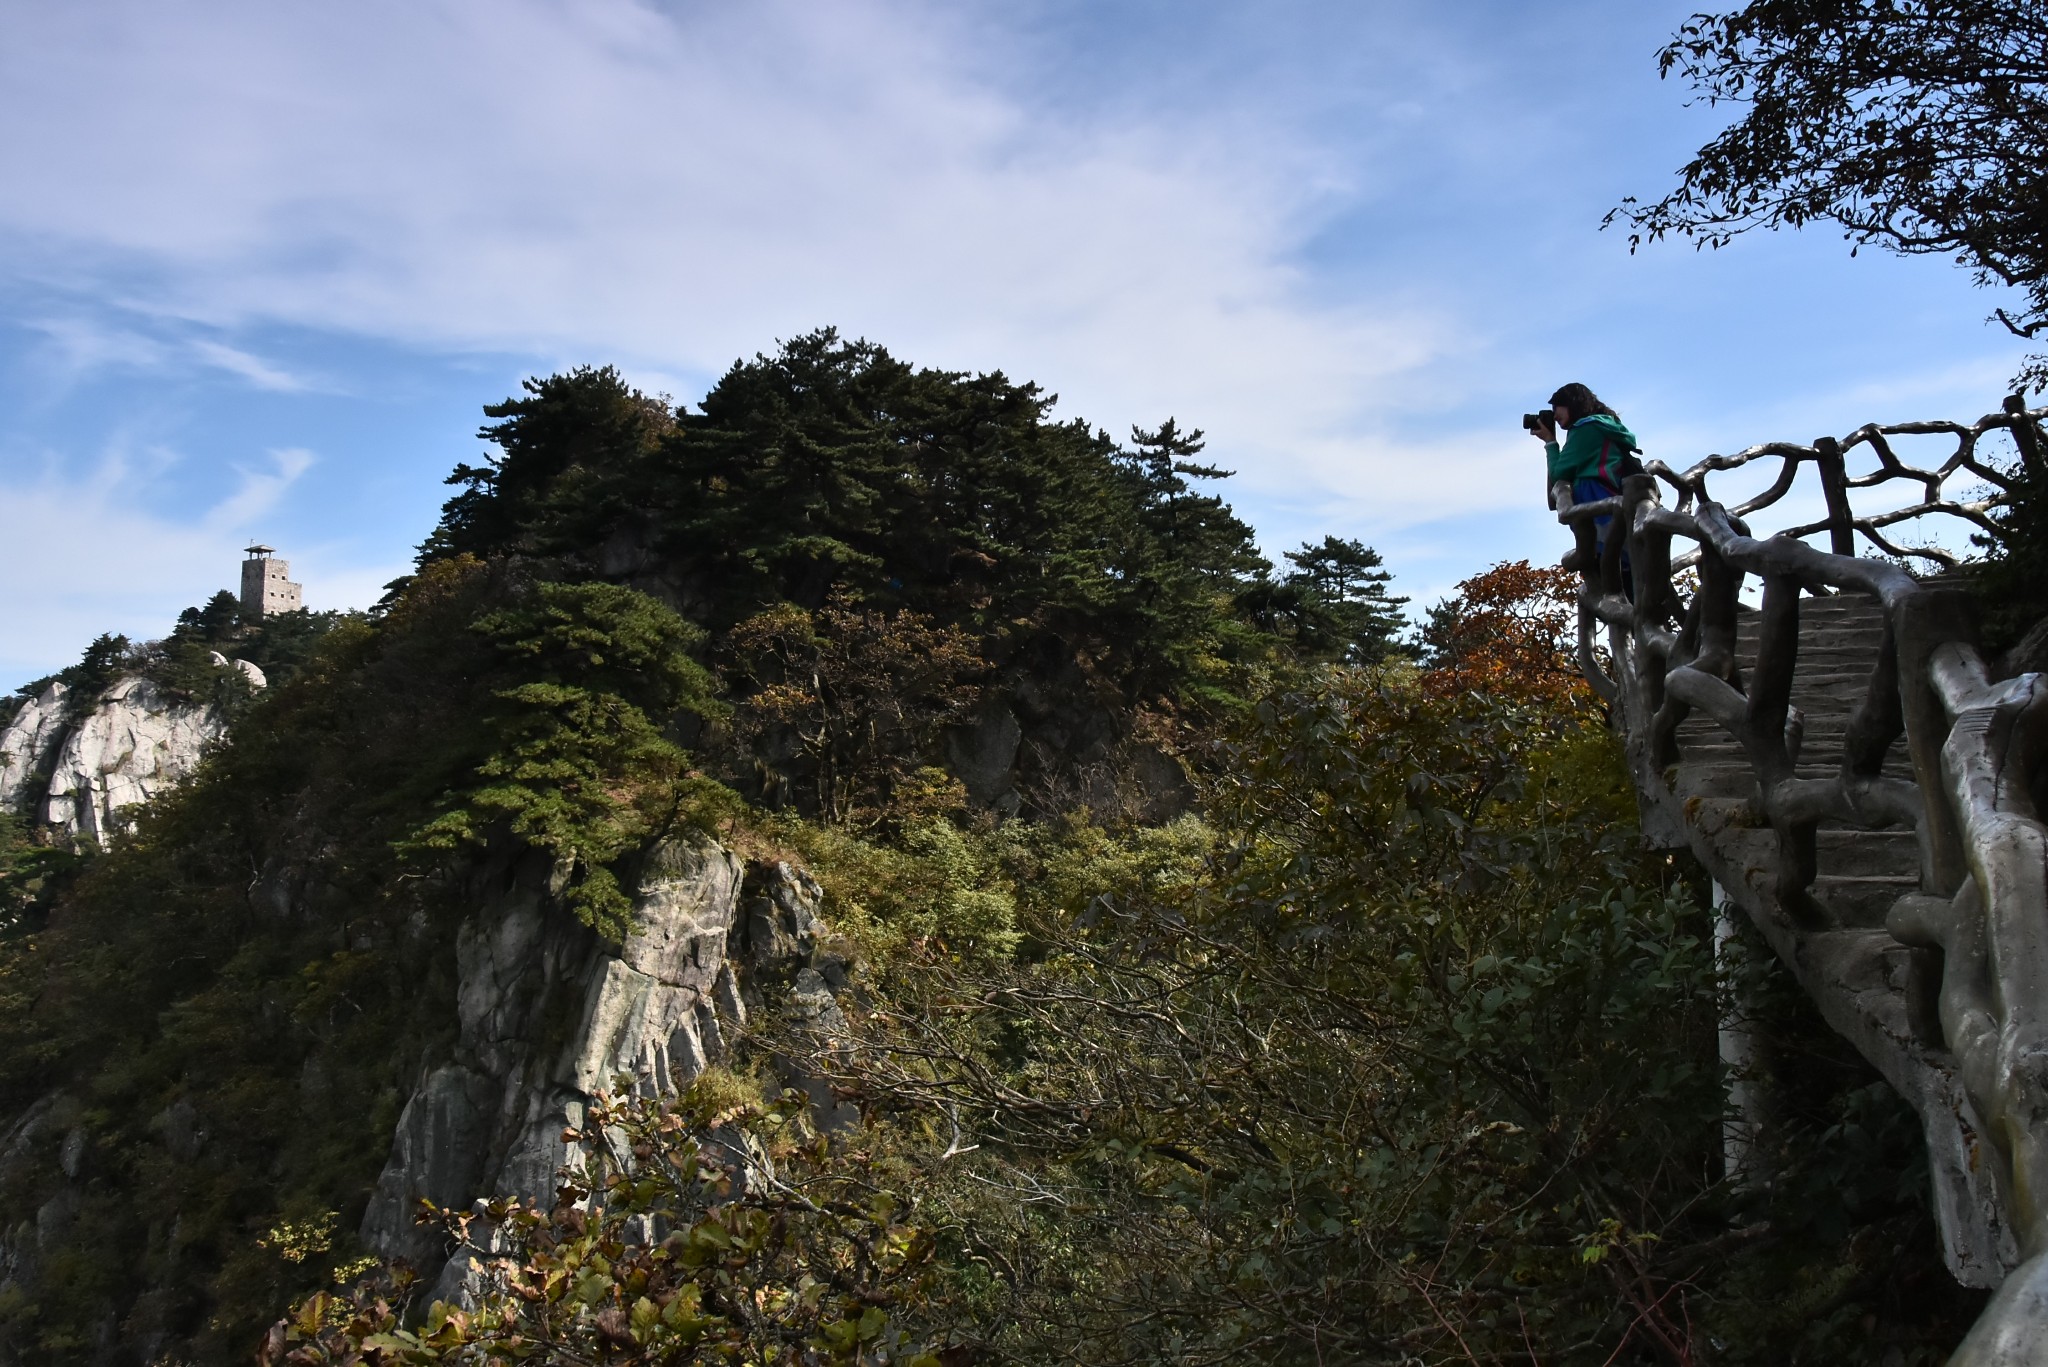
<point>1861,873</point>
<point>1814,747</point>
<point>1868,854</point>
<point>1815,723</point>
<point>1862,900</point>
<point>1831,835</point>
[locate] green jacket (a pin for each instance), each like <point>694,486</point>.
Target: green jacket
<point>1591,450</point>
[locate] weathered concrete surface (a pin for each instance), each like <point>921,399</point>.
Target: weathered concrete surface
<point>2009,1332</point>
<point>1869,987</point>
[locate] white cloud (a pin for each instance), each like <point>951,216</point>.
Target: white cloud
<point>254,369</point>
<point>1191,229</point>
<point>672,187</point>
<point>79,342</point>
<point>258,493</point>
<point>99,557</point>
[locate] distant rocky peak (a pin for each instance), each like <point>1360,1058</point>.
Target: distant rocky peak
<point>78,770</point>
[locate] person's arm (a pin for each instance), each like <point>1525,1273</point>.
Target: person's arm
<point>1556,467</point>
<point>1567,460</point>
<point>1547,434</point>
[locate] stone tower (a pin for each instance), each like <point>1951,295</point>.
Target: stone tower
<point>265,588</point>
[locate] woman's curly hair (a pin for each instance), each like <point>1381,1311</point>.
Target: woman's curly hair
<point>1581,402</point>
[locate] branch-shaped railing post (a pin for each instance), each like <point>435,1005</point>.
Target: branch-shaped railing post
<point>1834,487</point>
<point>1772,734</point>
<point>1720,594</point>
<point>1585,558</point>
<point>2026,434</point>
<point>1923,623</point>
<point>1583,534</point>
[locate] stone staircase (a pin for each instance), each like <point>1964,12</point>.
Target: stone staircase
<point>1910,905</point>
<point>1861,872</point>
<point>1880,994</point>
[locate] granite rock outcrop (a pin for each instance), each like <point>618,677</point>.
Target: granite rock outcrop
<point>78,769</point>
<point>551,1013</point>
<point>29,745</point>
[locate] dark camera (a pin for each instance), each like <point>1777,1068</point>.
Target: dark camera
<point>1538,422</point>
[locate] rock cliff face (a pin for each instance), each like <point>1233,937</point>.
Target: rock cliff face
<point>78,772</point>
<point>550,1014</point>
<point>28,746</point>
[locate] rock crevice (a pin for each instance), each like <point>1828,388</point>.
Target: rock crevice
<point>550,1014</point>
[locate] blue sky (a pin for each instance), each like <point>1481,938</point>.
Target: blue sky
<point>262,263</point>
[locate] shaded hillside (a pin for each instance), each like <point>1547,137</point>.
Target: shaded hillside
<point>208,1034</point>
<point>1403,1051</point>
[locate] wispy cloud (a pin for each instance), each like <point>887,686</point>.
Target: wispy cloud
<point>254,369</point>
<point>81,343</point>
<point>78,344</point>
<point>100,557</point>
<point>1326,233</point>
<point>672,187</point>
<point>258,493</point>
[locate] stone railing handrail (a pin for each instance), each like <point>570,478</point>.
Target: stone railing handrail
<point>1829,458</point>
<point>1977,926</point>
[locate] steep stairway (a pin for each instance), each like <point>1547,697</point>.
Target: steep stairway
<point>1923,942</point>
<point>1880,994</point>
<point>1861,872</point>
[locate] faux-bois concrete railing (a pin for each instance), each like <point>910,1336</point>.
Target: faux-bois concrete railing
<point>1907,893</point>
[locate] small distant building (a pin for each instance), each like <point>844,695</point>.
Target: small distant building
<point>266,584</point>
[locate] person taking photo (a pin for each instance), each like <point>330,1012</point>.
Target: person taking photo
<point>1597,452</point>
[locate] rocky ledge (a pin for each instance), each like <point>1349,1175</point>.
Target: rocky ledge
<point>551,1013</point>
<point>78,770</point>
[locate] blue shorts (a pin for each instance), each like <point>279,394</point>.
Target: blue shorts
<point>1591,490</point>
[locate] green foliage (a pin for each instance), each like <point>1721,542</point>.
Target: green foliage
<point>1335,602</point>
<point>1417,1064</point>
<point>279,644</point>
<point>283,643</point>
<point>832,464</point>
<point>1911,125</point>
<point>184,668</point>
<point>2012,583</point>
<point>212,1013</point>
<point>579,764</point>
<point>1840,1242</point>
<point>933,889</point>
<point>862,692</point>
<point>216,622</point>
<point>33,873</point>
<point>104,661</point>
<point>1403,1052</point>
<point>555,486</point>
<point>775,1250</point>
<point>224,1014</point>
<point>182,663</point>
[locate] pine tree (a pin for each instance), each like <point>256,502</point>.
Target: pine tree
<point>1344,582</point>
